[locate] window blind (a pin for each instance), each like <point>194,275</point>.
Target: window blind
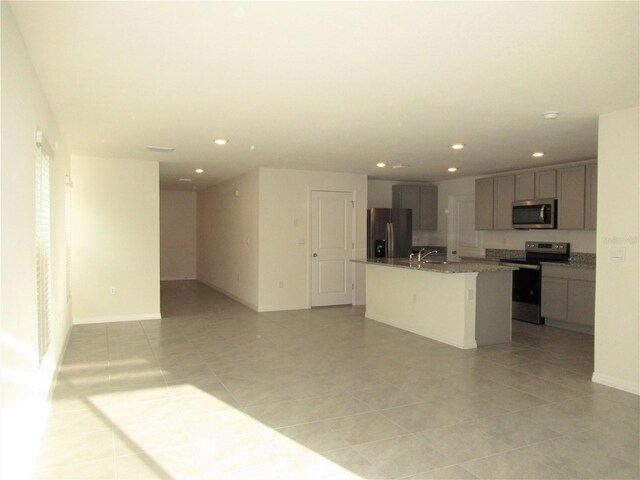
<point>43,244</point>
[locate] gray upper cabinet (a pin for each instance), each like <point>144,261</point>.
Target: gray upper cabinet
<point>423,202</point>
<point>407,196</point>
<point>484,204</point>
<point>525,186</point>
<point>532,185</point>
<point>591,194</point>
<point>575,188</point>
<point>428,207</point>
<point>503,196</point>
<point>571,198</point>
<point>545,184</point>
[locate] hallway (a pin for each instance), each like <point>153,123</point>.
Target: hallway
<point>217,391</point>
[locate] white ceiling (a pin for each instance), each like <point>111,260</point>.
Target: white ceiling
<point>333,86</point>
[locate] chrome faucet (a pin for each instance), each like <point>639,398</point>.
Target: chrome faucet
<point>421,257</point>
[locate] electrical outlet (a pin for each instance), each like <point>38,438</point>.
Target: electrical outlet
<point>280,284</point>
<point>112,290</point>
<point>415,298</point>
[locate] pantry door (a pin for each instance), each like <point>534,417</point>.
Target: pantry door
<point>331,248</point>
<point>463,238</point>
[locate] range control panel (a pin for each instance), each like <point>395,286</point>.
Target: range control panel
<point>547,247</point>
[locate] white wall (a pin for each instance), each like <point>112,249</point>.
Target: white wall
<point>379,193</point>
<point>227,238</point>
<point>285,198</point>
<point>581,240</point>
<point>617,332</point>
<point>24,385</point>
<point>177,235</point>
<point>115,239</point>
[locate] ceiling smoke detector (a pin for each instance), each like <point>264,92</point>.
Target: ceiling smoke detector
<point>550,115</point>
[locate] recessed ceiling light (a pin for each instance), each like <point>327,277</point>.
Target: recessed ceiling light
<point>452,169</point>
<point>154,148</point>
<point>199,170</point>
<point>457,146</point>
<point>538,154</point>
<point>221,141</point>
<point>550,115</point>
<point>185,179</point>
<point>400,166</point>
<point>381,164</point>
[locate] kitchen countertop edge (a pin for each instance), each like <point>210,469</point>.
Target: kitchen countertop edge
<point>449,267</point>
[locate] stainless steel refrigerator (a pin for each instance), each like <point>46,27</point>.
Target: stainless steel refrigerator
<point>388,232</point>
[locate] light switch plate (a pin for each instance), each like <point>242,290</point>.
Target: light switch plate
<point>617,254</point>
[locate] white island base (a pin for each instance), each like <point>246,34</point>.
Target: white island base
<point>460,309</point>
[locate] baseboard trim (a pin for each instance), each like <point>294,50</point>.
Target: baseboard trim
<point>616,383</point>
<point>117,318</point>
<point>171,279</point>
<point>283,308</point>
<point>230,295</point>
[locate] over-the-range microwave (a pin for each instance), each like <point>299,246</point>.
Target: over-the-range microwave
<point>534,214</point>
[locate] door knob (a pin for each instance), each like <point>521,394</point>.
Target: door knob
<point>315,254</point>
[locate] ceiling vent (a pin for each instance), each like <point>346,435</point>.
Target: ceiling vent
<point>153,148</point>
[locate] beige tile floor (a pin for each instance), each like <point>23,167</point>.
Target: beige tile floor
<point>217,391</point>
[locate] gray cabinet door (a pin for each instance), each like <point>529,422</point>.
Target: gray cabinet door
<point>503,196</point>
<point>553,301</point>
<point>581,302</point>
<point>546,184</point>
<point>525,186</point>
<point>591,195</point>
<point>484,204</point>
<point>571,198</point>
<point>407,196</point>
<point>428,207</point>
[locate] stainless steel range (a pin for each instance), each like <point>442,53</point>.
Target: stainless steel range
<point>527,279</point>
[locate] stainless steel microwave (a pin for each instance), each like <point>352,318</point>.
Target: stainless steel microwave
<point>534,214</point>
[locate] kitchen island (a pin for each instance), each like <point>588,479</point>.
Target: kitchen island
<point>463,304</point>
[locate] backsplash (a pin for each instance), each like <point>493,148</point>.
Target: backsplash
<point>441,250</point>
<point>576,257</point>
<point>498,253</point>
<point>584,258</point>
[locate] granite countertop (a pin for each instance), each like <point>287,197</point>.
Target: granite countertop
<point>439,267</point>
<point>572,264</point>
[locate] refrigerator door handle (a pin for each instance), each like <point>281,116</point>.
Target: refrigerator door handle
<point>390,242</point>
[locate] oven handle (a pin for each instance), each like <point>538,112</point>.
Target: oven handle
<point>521,265</point>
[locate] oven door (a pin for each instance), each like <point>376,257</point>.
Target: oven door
<point>525,293</point>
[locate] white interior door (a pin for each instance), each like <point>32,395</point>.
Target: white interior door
<point>331,248</point>
<point>463,238</point>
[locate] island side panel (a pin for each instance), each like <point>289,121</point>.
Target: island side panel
<point>493,308</point>
<point>443,309</point>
